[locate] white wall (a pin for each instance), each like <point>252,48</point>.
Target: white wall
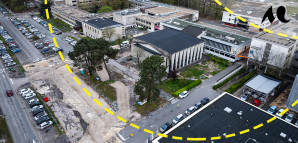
<point>94,33</point>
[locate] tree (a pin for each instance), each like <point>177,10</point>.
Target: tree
<point>116,4</point>
<point>90,54</point>
<point>35,37</point>
<point>42,8</point>
<point>105,9</point>
<point>185,74</point>
<point>105,2</point>
<point>173,74</point>
<point>151,71</point>
<point>95,6</point>
<point>118,41</point>
<point>138,52</point>
<point>108,32</point>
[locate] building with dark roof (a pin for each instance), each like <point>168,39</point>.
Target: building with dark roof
<point>193,31</point>
<point>177,48</point>
<point>227,119</point>
<point>293,96</point>
<point>94,28</point>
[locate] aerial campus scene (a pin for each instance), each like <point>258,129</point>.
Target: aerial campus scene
<point>141,71</point>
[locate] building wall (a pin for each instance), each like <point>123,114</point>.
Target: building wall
<point>94,32</point>
<point>64,16</point>
<point>125,19</point>
<point>293,96</point>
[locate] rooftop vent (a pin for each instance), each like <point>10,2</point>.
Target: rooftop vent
<point>227,109</point>
<point>283,135</point>
<point>239,113</point>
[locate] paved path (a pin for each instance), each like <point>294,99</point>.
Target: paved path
<point>156,119</point>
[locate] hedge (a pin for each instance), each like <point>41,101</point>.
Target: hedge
<point>187,88</point>
<point>239,84</point>
<point>228,79</point>
<point>220,61</point>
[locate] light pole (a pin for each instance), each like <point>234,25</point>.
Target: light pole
<point>156,130</point>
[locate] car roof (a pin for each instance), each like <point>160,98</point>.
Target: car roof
<point>180,115</point>
<point>191,107</point>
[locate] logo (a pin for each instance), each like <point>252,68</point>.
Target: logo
<point>280,13</point>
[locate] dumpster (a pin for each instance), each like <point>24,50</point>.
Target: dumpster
<point>82,71</point>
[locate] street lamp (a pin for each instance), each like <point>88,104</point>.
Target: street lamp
<point>156,130</point>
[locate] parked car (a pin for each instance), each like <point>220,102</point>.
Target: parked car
<point>256,102</point>
<point>272,109</point>
<point>9,93</point>
<point>33,100</point>
<point>289,118</point>
<point>190,110</point>
<point>205,100</point>
<point>296,123</point>
<point>42,119</point>
<point>179,118</point>
<point>124,43</point>
<point>183,94</point>
<point>35,112</point>
<point>45,124</point>
<point>58,32</point>
<point>27,93</point>
<point>244,97</point>
<point>7,61</point>
<point>27,96</point>
<point>278,113</point>
<point>16,50</point>
<point>165,127</point>
<point>198,105</point>
<point>25,90</point>
<point>36,107</point>
<point>40,115</point>
<point>10,64</point>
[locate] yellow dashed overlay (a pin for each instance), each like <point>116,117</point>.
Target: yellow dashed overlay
<point>159,134</point>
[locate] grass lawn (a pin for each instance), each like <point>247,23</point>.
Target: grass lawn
<point>142,108</point>
<point>58,23</point>
<point>4,130</point>
<point>74,38</point>
<point>292,9</point>
<point>92,79</point>
<point>108,91</point>
<point>169,85</point>
<point>85,37</point>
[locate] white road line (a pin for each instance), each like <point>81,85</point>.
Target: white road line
<point>11,81</point>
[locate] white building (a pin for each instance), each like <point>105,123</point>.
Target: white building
<point>178,48</point>
<point>252,12</point>
<point>126,17</point>
<point>275,50</point>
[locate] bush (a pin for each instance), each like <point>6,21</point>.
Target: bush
<point>239,84</point>
<point>228,79</point>
<point>35,37</point>
<point>188,87</point>
<point>218,61</point>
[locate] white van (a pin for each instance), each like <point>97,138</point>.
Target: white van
<point>124,43</point>
<point>45,124</point>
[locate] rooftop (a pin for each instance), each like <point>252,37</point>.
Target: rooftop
<point>158,18</point>
<point>263,84</point>
<point>127,12</point>
<point>211,32</point>
<point>291,29</point>
<point>102,22</point>
<point>193,31</point>
<point>170,40</point>
<point>252,9</point>
<point>231,115</point>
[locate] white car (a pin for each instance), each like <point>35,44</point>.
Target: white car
<point>27,92</point>
<point>24,90</point>
<point>278,113</point>
<point>45,124</point>
<point>244,97</point>
<point>27,96</point>
<point>296,123</point>
<point>33,100</point>
<point>289,118</point>
<point>36,107</point>
<point>183,94</point>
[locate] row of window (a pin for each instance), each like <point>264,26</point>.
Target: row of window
<point>144,21</point>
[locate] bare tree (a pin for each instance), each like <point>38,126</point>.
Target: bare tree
<point>95,6</point>
<point>279,61</point>
<point>108,32</point>
<point>138,52</point>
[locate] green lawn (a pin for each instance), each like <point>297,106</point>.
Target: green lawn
<point>74,38</point>
<point>142,108</point>
<point>4,130</point>
<point>169,85</point>
<point>58,23</point>
<point>108,91</point>
<point>85,37</point>
<point>292,9</point>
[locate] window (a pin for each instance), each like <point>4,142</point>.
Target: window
<point>251,52</point>
<point>230,14</point>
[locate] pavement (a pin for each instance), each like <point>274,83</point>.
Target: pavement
<point>156,119</point>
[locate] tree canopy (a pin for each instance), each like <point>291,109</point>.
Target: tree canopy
<point>151,73</point>
<point>105,9</point>
<point>42,8</point>
<point>90,54</point>
<point>173,74</point>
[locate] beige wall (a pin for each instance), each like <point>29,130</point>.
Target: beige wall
<point>94,33</point>
<point>64,17</point>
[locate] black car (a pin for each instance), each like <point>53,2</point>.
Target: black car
<point>58,32</point>
<point>35,112</point>
<point>205,100</point>
<point>166,127</point>
<point>42,119</point>
<point>34,104</point>
<point>198,105</point>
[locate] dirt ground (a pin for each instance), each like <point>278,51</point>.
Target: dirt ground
<point>83,120</point>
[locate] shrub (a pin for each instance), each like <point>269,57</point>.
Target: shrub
<point>232,89</point>
<point>228,79</point>
<point>188,87</point>
<point>219,61</point>
<point>35,37</point>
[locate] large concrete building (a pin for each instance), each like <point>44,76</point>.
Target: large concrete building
<point>95,28</point>
<point>178,48</point>
<point>226,45</point>
<point>77,2</point>
<point>293,96</point>
<point>252,12</point>
<point>127,17</point>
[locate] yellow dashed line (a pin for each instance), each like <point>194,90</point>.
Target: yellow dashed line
<point>96,101</point>
<point>176,138</point>
<point>123,120</point>
<point>258,126</point>
<point>162,135</point>
<point>295,37</point>
<point>295,101</point>
<point>272,119</point>
<point>47,13</point>
<point>86,91</point>
<point>283,112</point>
<point>61,56</point>
<point>252,24</point>
<point>196,139</point>
<point>216,138</point>
<point>281,34</point>
<point>109,111</point>
<point>268,31</point>
<point>230,135</point>
<point>244,131</point>
<point>135,126</point>
<point>148,131</point>
<point>50,27</point>
<point>55,42</point>
<point>242,19</point>
<point>228,10</point>
<point>69,70</point>
<point>45,1</point>
<point>75,78</point>
<point>219,3</point>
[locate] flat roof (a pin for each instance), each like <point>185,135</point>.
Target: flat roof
<point>242,116</point>
<point>102,22</point>
<point>252,9</point>
<point>161,10</point>
<point>170,40</point>
<point>291,29</point>
<point>263,84</point>
<point>212,32</point>
<point>162,18</point>
<point>73,11</point>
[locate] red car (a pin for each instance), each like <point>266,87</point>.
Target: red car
<point>256,102</point>
<point>9,93</point>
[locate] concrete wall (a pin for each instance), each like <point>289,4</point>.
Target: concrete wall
<point>125,19</point>
<point>67,18</point>
<point>94,32</point>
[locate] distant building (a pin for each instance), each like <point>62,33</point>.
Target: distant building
<point>126,17</point>
<point>293,96</point>
<point>77,2</point>
<point>177,48</point>
<point>94,28</point>
<point>228,46</point>
<point>252,12</point>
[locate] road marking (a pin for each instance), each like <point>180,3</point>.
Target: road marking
<point>258,126</point>
<point>295,37</point>
<point>272,119</point>
<point>123,120</point>
<point>216,138</point>
<point>75,78</point>
<point>228,10</point>
<point>11,81</point>
<point>96,101</point>
<point>230,135</point>
<point>45,2</point>
<point>47,13</point>
<point>50,27</point>
<point>135,126</point>
<point>61,56</point>
<point>244,131</point>
<point>69,70</point>
<point>196,139</point>
<point>148,131</point>
<point>163,135</point>
<point>252,24</point>
<point>283,112</point>
<point>219,3</point>
<point>86,91</point>
<point>176,138</point>
<point>295,103</point>
<point>282,35</point>
<point>239,17</point>
<point>268,31</point>
<point>109,111</point>
<point>55,42</point>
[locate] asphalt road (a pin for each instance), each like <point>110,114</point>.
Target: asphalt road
<point>155,120</point>
<point>19,125</point>
<point>32,54</point>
